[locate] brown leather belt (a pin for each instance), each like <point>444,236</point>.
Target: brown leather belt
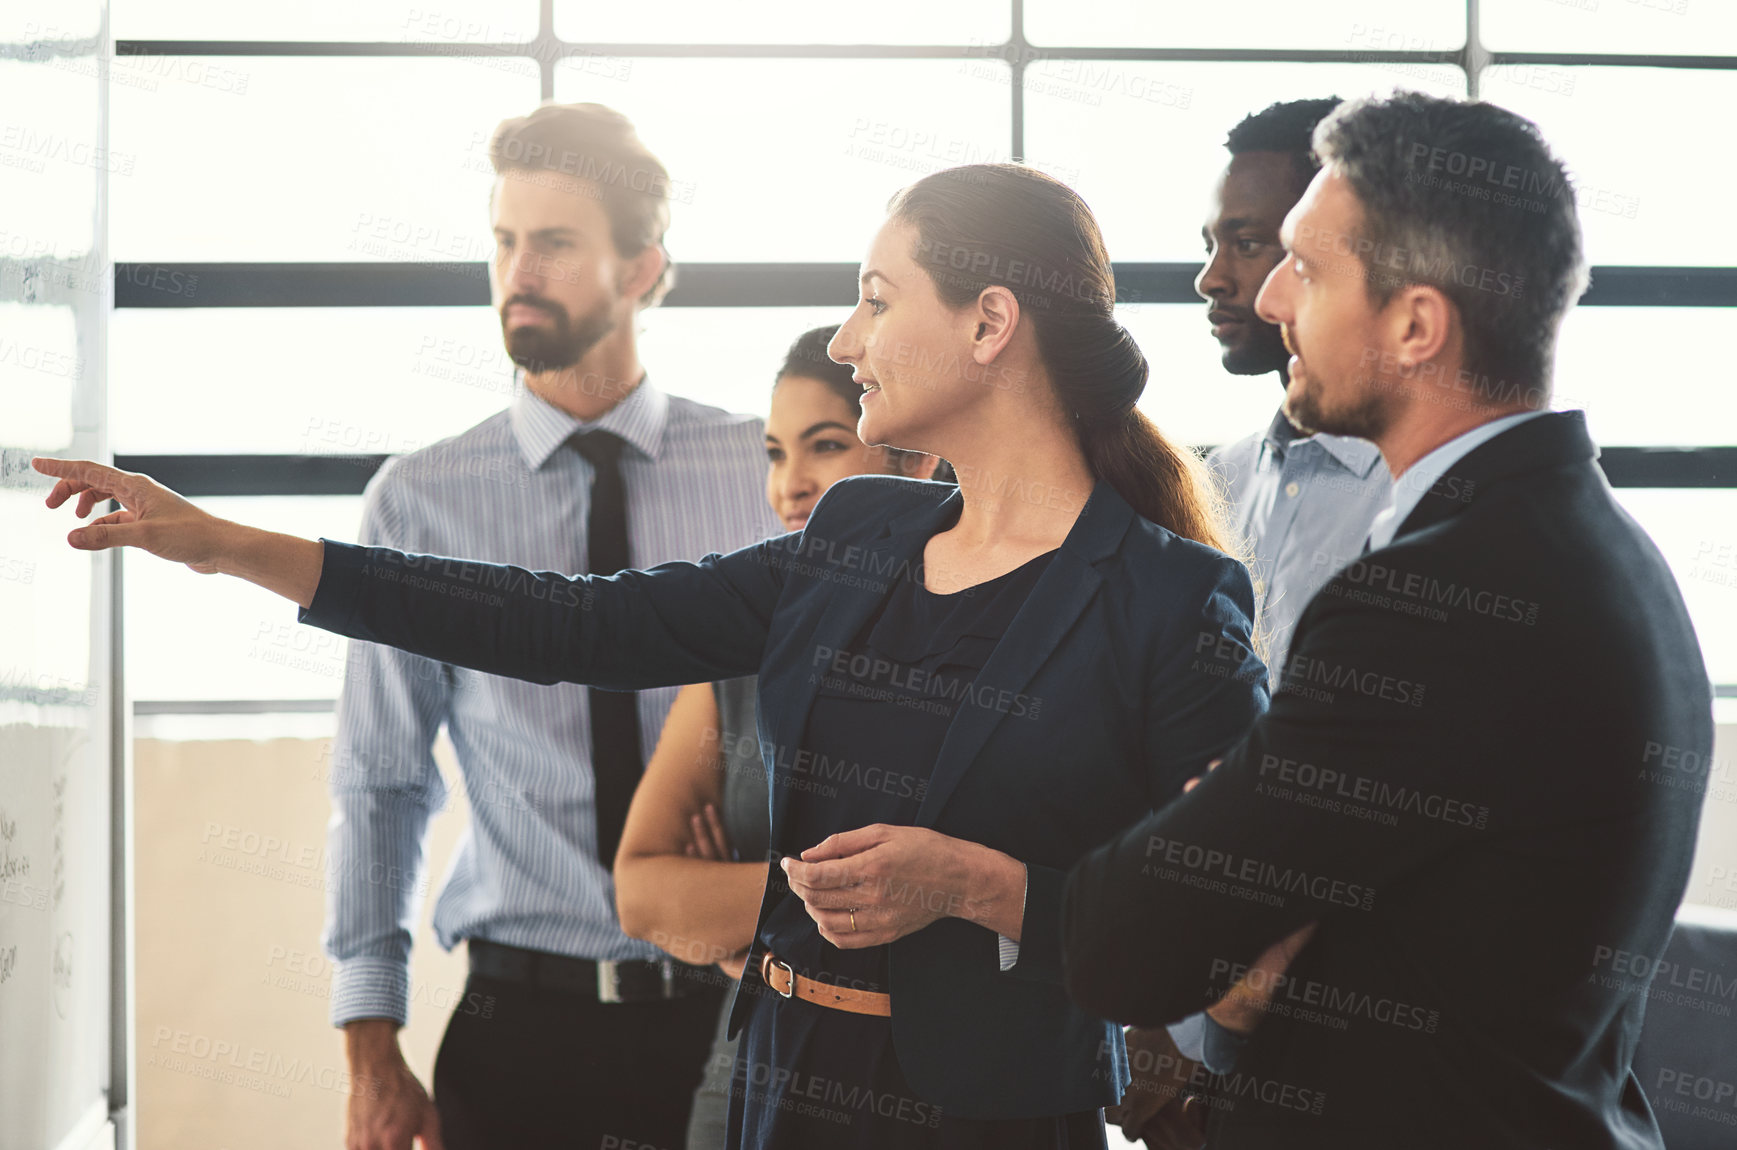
<point>787,982</point>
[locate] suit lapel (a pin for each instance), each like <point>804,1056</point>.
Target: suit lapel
<point>865,576</point>
<point>1551,440</point>
<point>1036,632</point>
<point>1055,603</point>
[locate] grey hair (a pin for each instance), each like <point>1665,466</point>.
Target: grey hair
<point>1465,197</point>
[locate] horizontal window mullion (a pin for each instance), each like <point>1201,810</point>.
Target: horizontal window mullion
<point>201,476</point>
<point>214,475</point>
<point>126,48</point>
<point>549,48</point>
<point>433,284</point>
<point>1611,60</point>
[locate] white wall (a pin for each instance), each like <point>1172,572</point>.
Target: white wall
<point>229,952</point>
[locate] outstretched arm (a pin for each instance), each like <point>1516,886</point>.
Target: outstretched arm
<point>157,520</point>
<point>676,623</point>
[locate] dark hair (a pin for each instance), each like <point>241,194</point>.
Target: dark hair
<point>1466,198</point>
<point>807,358</point>
<point>597,144</point>
<point>1288,127</point>
<point>1018,228</point>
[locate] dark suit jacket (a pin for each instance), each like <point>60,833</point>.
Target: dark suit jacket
<point>1127,669</point>
<point>1472,777</point>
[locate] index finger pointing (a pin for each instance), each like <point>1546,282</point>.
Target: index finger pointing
<point>76,475</point>
<point>78,470</point>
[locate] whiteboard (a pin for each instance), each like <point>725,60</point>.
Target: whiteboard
<point>56,762</point>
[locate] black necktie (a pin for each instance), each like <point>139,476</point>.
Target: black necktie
<point>616,763</point>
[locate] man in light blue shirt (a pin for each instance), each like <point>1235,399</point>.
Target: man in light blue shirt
<point>1302,502</point>
<point>569,1032</point>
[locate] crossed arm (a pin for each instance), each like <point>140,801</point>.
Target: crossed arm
<point>1158,920</point>
<point>675,884</point>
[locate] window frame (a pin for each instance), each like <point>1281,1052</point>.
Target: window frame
<point>409,284</point>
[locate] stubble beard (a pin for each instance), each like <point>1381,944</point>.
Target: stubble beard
<point>1368,417</point>
<point>540,350</point>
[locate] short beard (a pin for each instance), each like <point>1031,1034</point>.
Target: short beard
<point>1263,352</point>
<point>540,350</point>
<point>1368,418</point>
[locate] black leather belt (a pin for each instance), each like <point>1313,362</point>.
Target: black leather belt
<point>627,980</point>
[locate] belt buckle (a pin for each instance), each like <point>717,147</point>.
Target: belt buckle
<point>791,993</point>
<point>609,977</point>
<point>666,967</point>
<point>608,981</point>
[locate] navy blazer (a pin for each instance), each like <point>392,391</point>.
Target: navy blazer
<point>1128,668</point>
<point>1467,779</point>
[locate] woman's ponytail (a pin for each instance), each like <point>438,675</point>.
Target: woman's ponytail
<point>1103,373</point>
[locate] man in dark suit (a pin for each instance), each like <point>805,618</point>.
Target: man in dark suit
<point>1454,780</point>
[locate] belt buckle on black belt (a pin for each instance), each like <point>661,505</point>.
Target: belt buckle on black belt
<point>609,978</point>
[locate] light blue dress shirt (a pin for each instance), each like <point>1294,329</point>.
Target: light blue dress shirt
<point>1410,487</point>
<point>1303,505</point>
<point>526,872</point>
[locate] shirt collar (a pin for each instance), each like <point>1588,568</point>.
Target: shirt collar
<point>541,428</point>
<point>1358,456</point>
<point>1414,484</point>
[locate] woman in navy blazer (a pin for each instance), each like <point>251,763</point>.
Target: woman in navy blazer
<point>985,334</point>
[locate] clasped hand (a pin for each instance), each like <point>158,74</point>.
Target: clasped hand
<point>895,880</point>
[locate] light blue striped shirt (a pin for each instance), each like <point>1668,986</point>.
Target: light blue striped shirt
<point>1304,505</point>
<point>509,490</point>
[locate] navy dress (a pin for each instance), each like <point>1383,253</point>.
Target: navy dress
<point>809,1076</point>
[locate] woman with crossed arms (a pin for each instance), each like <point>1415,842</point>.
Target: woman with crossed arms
<point>692,863</point>
<point>963,690</point>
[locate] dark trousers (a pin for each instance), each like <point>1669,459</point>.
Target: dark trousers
<point>528,1066</point>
